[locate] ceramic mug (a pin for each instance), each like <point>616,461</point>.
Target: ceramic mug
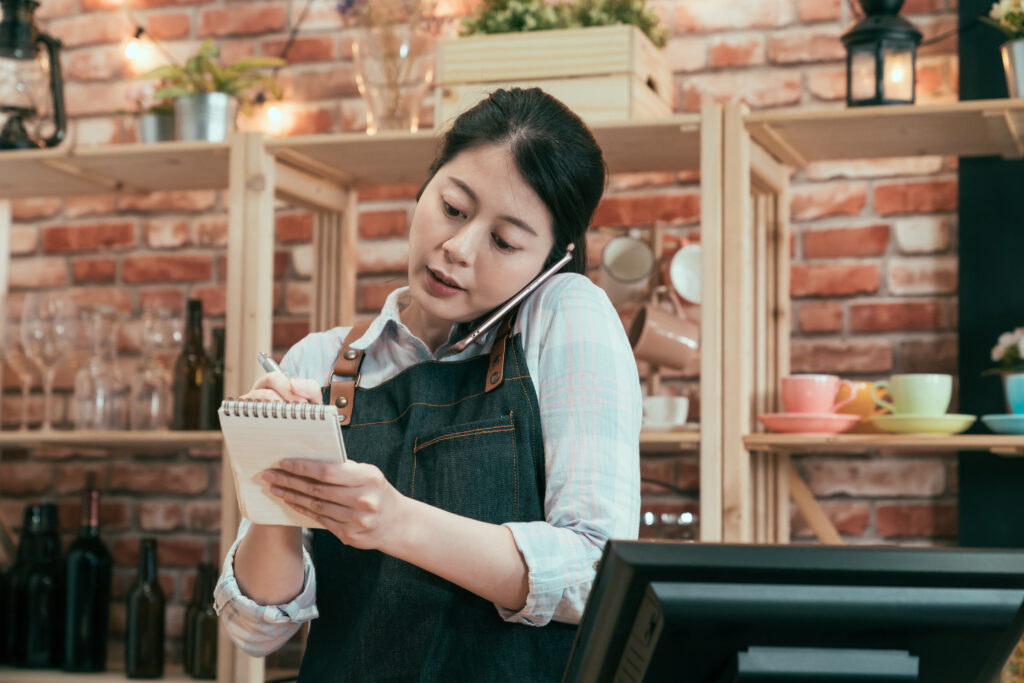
<point>665,412</point>
<point>626,267</point>
<point>862,405</point>
<point>1015,393</point>
<point>915,394</point>
<point>663,337</point>
<point>813,393</point>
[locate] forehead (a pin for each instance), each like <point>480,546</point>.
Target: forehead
<point>491,174</point>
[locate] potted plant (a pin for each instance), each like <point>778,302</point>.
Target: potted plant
<point>1008,17</point>
<point>207,95</point>
<point>1009,353</point>
<point>600,57</point>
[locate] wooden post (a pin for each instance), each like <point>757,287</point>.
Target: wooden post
<point>335,266</point>
<point>5,261</point>
<point>249,322</point>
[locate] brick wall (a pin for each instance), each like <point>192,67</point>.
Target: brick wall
<point>873,280</point>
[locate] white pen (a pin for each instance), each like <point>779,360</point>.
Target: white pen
<point>268,363</point>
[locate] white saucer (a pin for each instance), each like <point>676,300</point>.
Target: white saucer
<point>1004,424</point>
<point>936,425</point>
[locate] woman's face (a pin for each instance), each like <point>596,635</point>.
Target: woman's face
<point>479,234</point>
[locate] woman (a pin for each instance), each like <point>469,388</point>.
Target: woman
<point>461,539</point>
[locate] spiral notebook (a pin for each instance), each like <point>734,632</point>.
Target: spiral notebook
<point>259,434</point>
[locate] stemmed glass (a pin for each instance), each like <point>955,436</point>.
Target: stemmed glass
<point>151,396</point>
<point>16,360</point>
<point>47,335</point>
<point>100,400</point>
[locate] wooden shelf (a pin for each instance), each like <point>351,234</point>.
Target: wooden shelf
<point>810,443</point>
<point>171,675</point>
<point>150,442</point>
<point>687,439</point>
<point>969,128</point>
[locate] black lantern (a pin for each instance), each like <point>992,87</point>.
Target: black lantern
<point>881,56</point>
<point>31,86</point>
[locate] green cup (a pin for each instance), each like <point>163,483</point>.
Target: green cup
<point>915,394</point>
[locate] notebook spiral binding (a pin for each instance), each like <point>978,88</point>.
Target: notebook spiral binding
<point>274,409</point>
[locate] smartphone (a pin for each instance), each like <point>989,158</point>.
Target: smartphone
<point>511,303</point>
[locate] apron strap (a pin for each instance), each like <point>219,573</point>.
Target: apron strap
<point>496,367</point>
<point>347,365</point>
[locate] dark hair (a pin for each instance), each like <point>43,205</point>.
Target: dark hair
<point>554,151</point>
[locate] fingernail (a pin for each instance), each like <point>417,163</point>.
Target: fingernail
<point>270,476</point>
<point>277,491</point>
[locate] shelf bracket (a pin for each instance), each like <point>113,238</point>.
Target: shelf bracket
<point>811,509</point>
<point>1004,132</point>
<point>777,145</point>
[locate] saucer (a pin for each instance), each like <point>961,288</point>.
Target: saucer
<point>940,425</point>
<point>1004,424</point>
<point>808,423</point>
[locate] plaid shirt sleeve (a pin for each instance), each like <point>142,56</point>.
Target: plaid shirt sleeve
<point>590,407</point>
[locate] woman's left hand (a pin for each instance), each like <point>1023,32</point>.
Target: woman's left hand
<point>352,500</point>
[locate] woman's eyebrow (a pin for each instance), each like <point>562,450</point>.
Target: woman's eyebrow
<point>508,219</point>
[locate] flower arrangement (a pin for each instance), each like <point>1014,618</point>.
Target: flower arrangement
<point>1008,17</point>
<point>1009,351</point>
<point>383,13</point>
<point>506,16</point>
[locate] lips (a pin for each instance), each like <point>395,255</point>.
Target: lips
<point>444,279</point>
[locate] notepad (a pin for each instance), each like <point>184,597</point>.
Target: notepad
<point>259,434</point>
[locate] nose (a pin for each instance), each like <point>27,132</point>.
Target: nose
<point>460,247</point>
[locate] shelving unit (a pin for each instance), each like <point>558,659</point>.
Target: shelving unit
<point>133,441</point>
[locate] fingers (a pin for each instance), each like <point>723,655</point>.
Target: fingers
<point>348,473</point>
<point>280,388</point>
<point>308,389</point>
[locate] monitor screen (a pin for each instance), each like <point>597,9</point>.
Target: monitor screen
<point>677,611</point>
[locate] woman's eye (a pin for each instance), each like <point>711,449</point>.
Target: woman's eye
<point>502,244</point>
<point>451,210</point>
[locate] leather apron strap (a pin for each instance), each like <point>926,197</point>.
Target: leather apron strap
<point>496,369</point>
<point>347,365</point>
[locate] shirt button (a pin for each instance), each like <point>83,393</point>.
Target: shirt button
<point>597,563</point>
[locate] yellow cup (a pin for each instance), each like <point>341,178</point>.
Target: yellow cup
<point>863,405</point>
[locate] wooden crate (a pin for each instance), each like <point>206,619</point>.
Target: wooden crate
<point>603,73</point>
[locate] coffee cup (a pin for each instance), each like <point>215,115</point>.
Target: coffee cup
<point>1015,393</point>
<point>665,412</point>
<point>664,337</point>
<point>812,393</point>
<point>626,267</point>
<point>862,405</point>
<point>915,393</point>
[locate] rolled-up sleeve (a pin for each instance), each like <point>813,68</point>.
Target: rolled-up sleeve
<point>590,406</point>
<point>261,629</point>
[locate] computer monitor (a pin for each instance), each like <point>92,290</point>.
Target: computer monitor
<point>706,613</point>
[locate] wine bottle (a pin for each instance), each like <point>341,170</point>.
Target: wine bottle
<point>201,626</point>
<point>144,635</point>
<point>190,370</point>
<point>44,593</point>
<point>14,617</point>
<point>213,385</point>
<point>87,606</point>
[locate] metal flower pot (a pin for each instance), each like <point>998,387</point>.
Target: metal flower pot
<point>1013,65</point>
<point>206,116</point>
<point>153,127</point>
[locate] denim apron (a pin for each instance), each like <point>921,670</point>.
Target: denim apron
<point>463,436</point>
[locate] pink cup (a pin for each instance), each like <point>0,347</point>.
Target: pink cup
<point>814,393</point>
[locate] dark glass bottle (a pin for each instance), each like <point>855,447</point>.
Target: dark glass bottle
<point>201,626</point>
<point>87,606</point>
<point>213,385</point>
<point>190,371</point>
<point>144,631</point>
<point>5,607</point>
<point>44,593</point>
<point>14,616</point>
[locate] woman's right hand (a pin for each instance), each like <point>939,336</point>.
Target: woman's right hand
<point>276,386</point>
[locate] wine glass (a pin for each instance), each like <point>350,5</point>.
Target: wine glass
<point>151,394</point>
<point>100,400</point>
<point>16,360</point>
<point>47,335</point>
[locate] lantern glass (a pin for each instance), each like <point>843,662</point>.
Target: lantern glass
<point>863,81</point>
<point>898,74</point>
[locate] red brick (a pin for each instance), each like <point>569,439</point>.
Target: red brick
<point>368,194</point>
<point>103,130</point>
<point>212,231</point>
<point>25,477</point>
<point>871,240</point>
<point>686,54</point>
<point>29,273</point>
<point>898,316</point>
<point>308,49</point>
<point>168,25</point>
<point>203,515</point>
<point>196,200</point>
<point>851,518</point>
<point>311,120</point>
<point>118,297</point>
<point>166,233</point>
<point>818,201</point>
<point>916,197</point>
<point>873,168</point>
<point>92,64</point>
<point>91,29</point>
<point>89,237</point>
<point>56,8</point>
<point>917,519</point>
<point>23,240</point>
<point>171,551</point>
<point>631,211</point>
<point>818,10</point>
<point>737,51</point>
<point>294,227</point>
<point>803,46</point>
<point>73,478</point>
<point>287,332</point>
<point>88,205</point>
<point>757,89</point>
<point>633,181</point>
<point>166,268</point>
<point>696,16</point>
<point>93,270</point>
<point>241,19</point>
<point>841,357</point>
<point>821,316</point>
<point>232,50</point>
<point>370,294</point>
<point>34,208</point>
<point>159,516</point>
<point>393,223</point>
<point>98,98</point>
<point>826,84</point>
<point>319,83</point>
<point>834,279</point>
<point>921,6</point>
<point>929,355</point>
<point>171,299</point>
<point>875,478</point>
<point>923,275</point>
<point>214,299</point>
<point>298,297</point>
<point>281,259</point>
<point>153,478</point>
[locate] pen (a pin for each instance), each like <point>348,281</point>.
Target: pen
<point>268,363</point>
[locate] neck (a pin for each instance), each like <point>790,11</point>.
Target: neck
<point>433,331</point>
